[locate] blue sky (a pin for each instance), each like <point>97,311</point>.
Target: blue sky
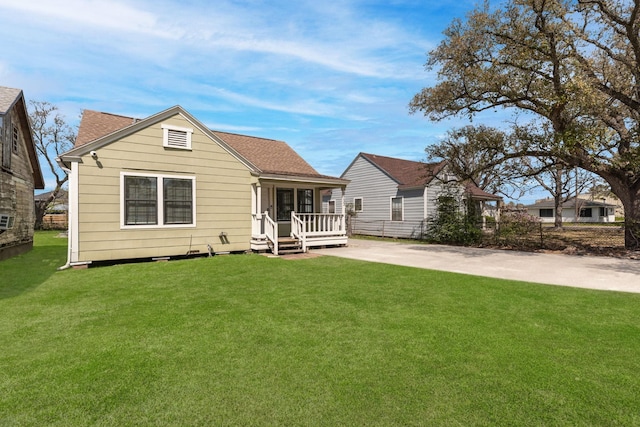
<point>330,78</point>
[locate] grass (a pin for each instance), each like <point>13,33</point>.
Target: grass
<point>249,340</point>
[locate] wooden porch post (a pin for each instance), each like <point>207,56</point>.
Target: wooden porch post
<point>254,205</point>
<point>258,199</point>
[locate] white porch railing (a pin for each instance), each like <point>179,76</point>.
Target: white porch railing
<point>271,231</point>
<point>319,224</point>
<point>298,230</point>
<point>310,229</point>
<point>317,229</point>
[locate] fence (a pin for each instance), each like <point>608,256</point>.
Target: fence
<point>605,238</point>
<point>56,221</point>
<point>571,237</point>
<point>384,228</point>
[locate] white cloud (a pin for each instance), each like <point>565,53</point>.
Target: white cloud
<point>337,38</point>
<point>105,14</point>
<point>325,77</point>
<point>308,107</point>
<point>225,127</point>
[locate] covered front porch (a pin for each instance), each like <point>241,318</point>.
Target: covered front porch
<point>288,216</point>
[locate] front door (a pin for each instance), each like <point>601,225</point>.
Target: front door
<point>284,207</point>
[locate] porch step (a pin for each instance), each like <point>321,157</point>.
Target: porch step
<point>288,245</point>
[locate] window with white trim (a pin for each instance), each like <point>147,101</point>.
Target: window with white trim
<point>332,206</point>
<point>546,213</point>
<point>6,221</point>
<point>150,200</point>
<point>397,209</point>
<point>305,200</point>
<point>357,204</point>
<point>586,213</point>
<point>176,137</point>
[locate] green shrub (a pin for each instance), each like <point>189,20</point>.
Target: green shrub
<point>517,226</point>
<point>455,221</point>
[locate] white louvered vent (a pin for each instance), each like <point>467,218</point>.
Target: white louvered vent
<point>176,137</point>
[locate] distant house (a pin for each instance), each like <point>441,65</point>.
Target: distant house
<point>589,210</point>
<point>56,214</point>
<point>20,174</point>
<point>393,197</point>
<point>168,186</point>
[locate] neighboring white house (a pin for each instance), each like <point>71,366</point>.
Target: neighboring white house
<point>589,210</point>
<point>394,197</point>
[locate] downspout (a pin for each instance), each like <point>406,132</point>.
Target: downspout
<point>69,222</point>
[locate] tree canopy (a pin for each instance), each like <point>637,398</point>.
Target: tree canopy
<point>52,136</point>
<point>573,65</point>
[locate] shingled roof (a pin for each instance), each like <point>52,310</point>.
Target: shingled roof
<point>10,97</point>
<point>95,124</point>
<point>479,194</point>
<point>411,174</point>
<point>407,173</point>
<point>267,155</point>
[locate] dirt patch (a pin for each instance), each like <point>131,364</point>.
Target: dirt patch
<point>569,240</point>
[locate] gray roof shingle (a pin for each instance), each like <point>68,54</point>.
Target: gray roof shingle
<point>8,97</point>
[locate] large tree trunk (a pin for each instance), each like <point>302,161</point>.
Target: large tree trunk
<point>557,199</point>
<point>558,194</point>
<point>629,195</point>
<point>632,223</point>
<point>40,211</point>
<point>43,205</point>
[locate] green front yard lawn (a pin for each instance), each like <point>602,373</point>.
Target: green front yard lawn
<point>251,340</point>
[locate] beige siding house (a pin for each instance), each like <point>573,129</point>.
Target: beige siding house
<point>167,186</point>
<point>20,174</point>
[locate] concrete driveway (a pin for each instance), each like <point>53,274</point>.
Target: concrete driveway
<point>591,272</point>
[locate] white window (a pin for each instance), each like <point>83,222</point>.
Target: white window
<point>6,222</point>
<point>586,213</point>
<point>150,200</point>
<point>546,213</point>
<point>397,209</point>
<point>449,177</point>
<point>176,137</point>
<point>357,204</point>
<point>332,206</point>
<point>305,201</point>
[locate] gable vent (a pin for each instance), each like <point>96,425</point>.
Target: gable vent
<point>176,137</point>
